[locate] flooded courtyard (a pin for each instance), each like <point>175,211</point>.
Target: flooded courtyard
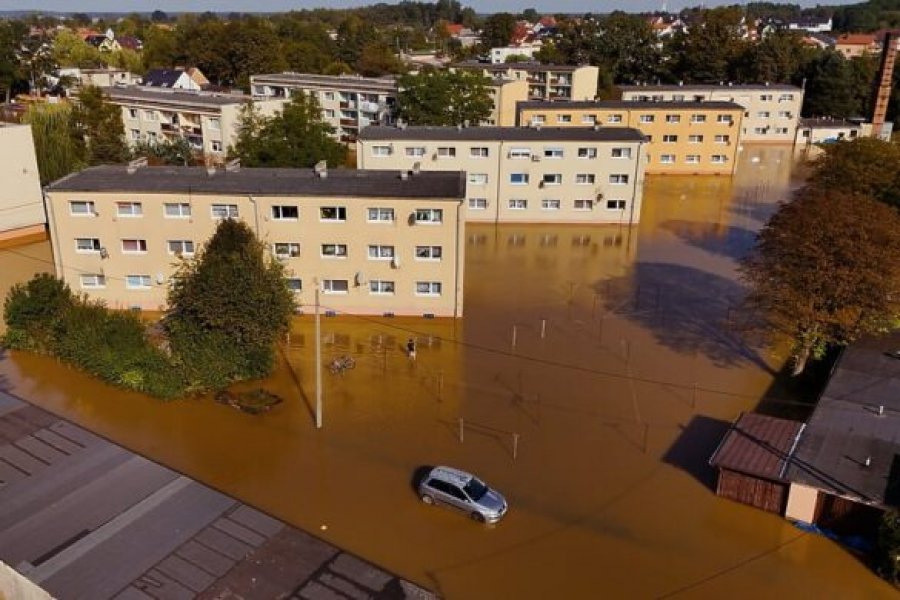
<point>593,374</point>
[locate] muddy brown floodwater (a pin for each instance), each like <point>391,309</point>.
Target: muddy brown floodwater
<point>598,431</point>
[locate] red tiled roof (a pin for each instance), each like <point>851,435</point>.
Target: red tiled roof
<point>757,445</point>
<point>856,39</point>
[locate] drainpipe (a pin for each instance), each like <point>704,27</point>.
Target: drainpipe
<point>54,238</point>
<point>459,252</point>
<point>497,195</point>
<point>255,213</point>
<point>637,164</point>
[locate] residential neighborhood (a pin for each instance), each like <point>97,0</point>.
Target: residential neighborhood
<point>416,300</point>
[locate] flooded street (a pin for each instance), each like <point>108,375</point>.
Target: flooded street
<point>593,374</point>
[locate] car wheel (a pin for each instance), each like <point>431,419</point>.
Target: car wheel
<point>427,499</point>
<point>477,516</point>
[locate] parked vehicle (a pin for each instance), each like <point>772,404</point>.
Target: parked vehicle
<point>463,491</point>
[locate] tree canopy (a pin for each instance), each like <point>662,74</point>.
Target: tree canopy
<point>98,123</point>
<point>444,98</point>
<point>865,166</point>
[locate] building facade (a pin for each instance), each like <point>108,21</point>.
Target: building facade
<point>545,82</point>
<point>208,121</point>
<point>523,175</point>
<point>506,95</point>
<point>348,102</point>
<point>684,138</point>
<point>22,215</point>
<point>373,242</point>
<point>771,111</point>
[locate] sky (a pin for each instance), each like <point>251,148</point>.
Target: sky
<point>482,6</point>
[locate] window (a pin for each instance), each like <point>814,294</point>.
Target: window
<point>333,213</point>
<point>329,95</point>
<point>176,210</point>
<point>585,178</point>
<point>415,151</point>
<point>479,152</point>
<point>621,152</point>
<point>83,208</point>
<point>478,203</point>
<point>334,250</point>
<point>134,246</point>
<point>763,114</point>
<point>723,139</point>
<point>552,179</point>
<point>135,134</point>
<point>615,205</point>
<point>695,139</point>
<point>785,97</point>
<point>137,282</point>
<point>224,211</point>
<point>670,139</point>
<point>518,178</point>
<point>548,240</point>
<point>550,204</point>
<point>553,152</point>
<point>286,249</point>
<point>379,252</point>
<point>765,97</point>
<point>538,119</point>
<point>294,284</point>
<point>698,118</point>
<point>719,159</point>
<point>151,137</point>
<point>150,115</point>
<point>446,152</point>
<point>673,118</point>
<point>783,114</point>
<point>520,153</point>
<point>335,286</point>
<point>518,204</point>
<point>381,151</point>
<point>215,146</point>
<point>329,114</point>
<point>380,287</point>
<point>692,159</point>
<point>180,247</point>
<point>565,118</point>
<point>618,179</point>
<point>93,281</point>
<point>587,153</point>
<point>667,159</point>
<point>784,130</point>
<point>584,204</point>
<point>429,215</point>
<point>589,119</point>
<point>478,178</point>
<point>132,113</point>
<point>760,130</point>
<point>723,119</point>
<point>614,119</point>
<point>87,245</point>
<point>380,215</point>
<point>214,123</point>
<point>428,253</point>
<point>647,118</point>
<point>428,288</point>
<point>285,213</point>
<point>677,97</point>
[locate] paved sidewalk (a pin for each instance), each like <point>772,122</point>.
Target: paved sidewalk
<point>85,518</point>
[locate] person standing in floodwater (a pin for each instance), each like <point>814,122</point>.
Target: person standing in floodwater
<point>411,349</point>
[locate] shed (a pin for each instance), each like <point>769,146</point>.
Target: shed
<point>752,459</point>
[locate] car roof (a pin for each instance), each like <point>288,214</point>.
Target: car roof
<point>451,475</point>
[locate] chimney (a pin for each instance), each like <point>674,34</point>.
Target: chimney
<point>136,164</point>
<point>404,175</point>
<point>417,168</point>
<point>233,166</point>
<point>321,169</point>
<point>883,84</point>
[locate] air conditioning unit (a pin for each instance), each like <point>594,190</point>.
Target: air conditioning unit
<point>535,158</point>
<point>395,262</point>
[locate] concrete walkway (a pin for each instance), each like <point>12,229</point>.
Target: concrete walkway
<point>84,518</point>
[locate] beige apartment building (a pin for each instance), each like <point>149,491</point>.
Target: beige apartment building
<point>523,175</point>
<point>506,94</point>
<point>208,121</point>
<point>22,217</point>
<point>545,82</point>
<point>373,242</point>
<point>349,102</point>
<point>684,138</point>
<point>771,111</point>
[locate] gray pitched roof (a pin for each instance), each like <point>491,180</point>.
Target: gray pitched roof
<point>627,104</point>
<point>504,134</point>
<point>165,78</point>
<point>674,87</point>
<point>266,182</point>
<point>121,95</point>
<point>517,66</point>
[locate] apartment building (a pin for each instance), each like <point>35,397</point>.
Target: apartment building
<point>22,216</point>
<point>523,175</point>
<point>349,102</point>
<point>373,242</point>
<point>684,138</point>
<point>506,95</point>
<point>208,121</point>
<point>771,111</point>
<point>545,82</point>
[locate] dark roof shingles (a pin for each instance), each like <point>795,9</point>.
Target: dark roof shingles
<point>510,134</point>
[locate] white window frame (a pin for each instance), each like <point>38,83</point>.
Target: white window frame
<point>587,153</point>
<point>382,151</point>
<point>428,216</point>
<point>673,118</point>
<point>98,278</point>
<point>338,251</point>
<point>667,159</point>
<point>215,146</point>
<point>381,252</point>
<point>583,205</point>
<point>585,179</point>
<point>669,138</point>
<point>554,153</point>
<point>698,118</point>
<point>278,212</point>
<point>589,119</point>
<point>298,289</point>
<point>141,246</point>
<point>144,282</point>
<point>723,139</point>
<point>340,214</point>
<point>328,286</point>
<point>519,153</point>
<point>478,203</point>
<point>382,214</point>
<point>566,118</point>
<point>718,159</point>
<point>695,138</point>
<point>181,213</point>
<point>382,287</point>
<point>428,253</point>
<point>550,204</point>
<point>293,250</point>
<point>446,152</point>
<point>435,288</point>
<point>182,251</point>
<point>479,152</point>
<point>130,213</point>
<point>618,179</point>
<point>517,204</point>
<point>616,118</point>
<point>414,151</point>
<point>616,204</point>
<point>555,179</point>
<point>621,153</point>
<point>95,246</point>
<point>478,178</point>
<point>88,205</point>
<point>692,159</point>
<point>231,211</point>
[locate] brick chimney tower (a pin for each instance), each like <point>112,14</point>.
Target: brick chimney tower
<point>883,83</point>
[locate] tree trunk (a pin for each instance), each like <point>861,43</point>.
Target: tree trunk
<point>801,358</point>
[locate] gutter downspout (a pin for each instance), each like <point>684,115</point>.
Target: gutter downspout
<point>637,165</point>
<point>497,195</point>
<point>54,237</point>
<point>255,212</point>
<point>459,258</point>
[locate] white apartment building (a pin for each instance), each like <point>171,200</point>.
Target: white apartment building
<point>524,175</point>
<point>501,54</point>
<point>771,111</point>
<point>21,202</point>
<point>348,102</point>
<point>545,82</point>
<point>208,121</point>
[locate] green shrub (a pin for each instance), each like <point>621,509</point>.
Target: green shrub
<point>31,311</point>
<point>887,553</point>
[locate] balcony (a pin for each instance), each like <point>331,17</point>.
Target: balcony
<point>345,104</point>
<point>349,123</point>
<point>169,127</point>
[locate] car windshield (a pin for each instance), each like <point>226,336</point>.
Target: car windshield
<point>475,489</point>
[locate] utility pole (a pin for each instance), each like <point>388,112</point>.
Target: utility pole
<point>318,363</point>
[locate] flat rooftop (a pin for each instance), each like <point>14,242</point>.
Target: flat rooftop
<point>329,81</point>
<point>857,420</point>
<point>503,134</point>
<point>517,66</point>
<point>829,124</point>
<point>266,182</point>
<point>168,96</point>
<point>708,86</point>
<point>627,104</point>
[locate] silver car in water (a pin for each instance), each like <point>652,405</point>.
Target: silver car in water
<point>464,491</point>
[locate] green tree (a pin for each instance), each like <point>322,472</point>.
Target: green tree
<point>866,166</point>
<point>777,58</point>
<point>497,30</point>
<point>444,97</point>
<point>10,70</point>
<point>887,550</point>
<point>99,123</point>
<point>160,48</point>
<point>176,151</point>
<point>828,89</point>
<point>627,48</point>
<point>711,51</point>
<point>378,59</point>
<point>295,137</point>
<point>58,148</point>
<point>69,50</point>
<point>227,308</point>
<point>825,270</point>
<point>252,47</point>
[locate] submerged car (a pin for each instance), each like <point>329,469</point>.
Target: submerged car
<point>463,491</point>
